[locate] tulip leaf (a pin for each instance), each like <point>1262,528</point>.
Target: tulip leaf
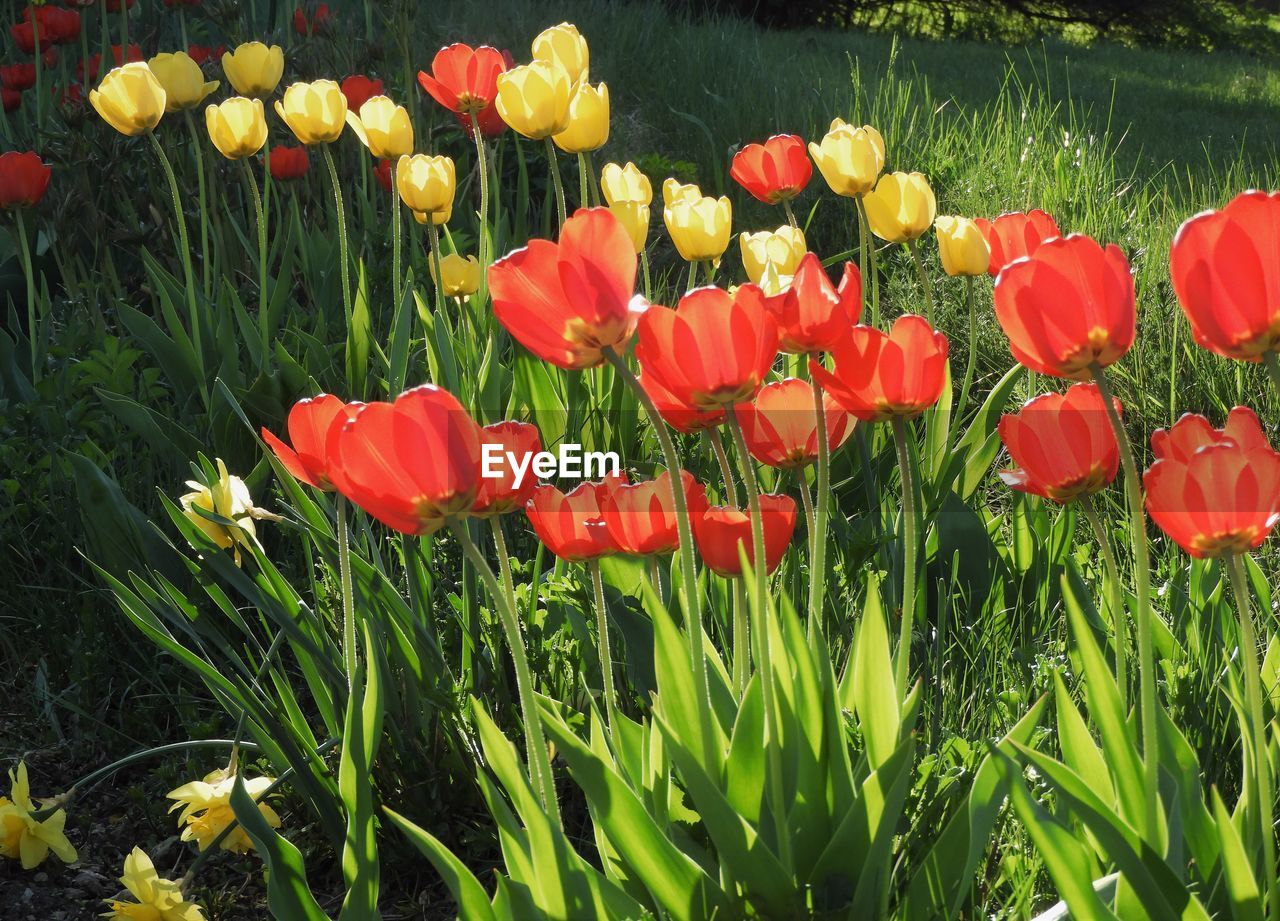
<point>288,895</point>
<point>361,734</point>
<point>473,902</point>
<point>1237,867</point>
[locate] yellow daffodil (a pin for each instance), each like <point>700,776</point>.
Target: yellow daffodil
<point>699,228</point>
<point>426,183</point>
<point>901,208</point>
<point>206,810</point>
<point>634,216</point>
<point>383,127</point>
<point>315,112</point>
<point>565,46</point>
<point>157,898</point>
<point>182,79</point>
<point>227,498</point>
<point>962,246</point>
<point>254,69</point>
<point>130,99</point>
<point>237,127</point>
<point>625,183</point>
<point>782,248</point>
<point>534,99</point>
<point>849,158</point>
<point>673,190</point>
<point>24,837</point>
<point>588,120</point>
<point>461,275</point>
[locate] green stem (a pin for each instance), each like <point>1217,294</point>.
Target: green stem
<point>582,181</point>
<point>28,271</point>
<point>909,553</point>
<point>726,470</point>
<point>433,237</point>
<point>593,185</point>
<point>554,164</point>
<point>791,215</point>
<point>971,361</point>
<point>914,247</point>
<point>197,147</point>
<point>644,266</point>
<point>867,262</point>
<point>504,562</point>
<point>35,32</point>
<point>348,596</point>
<point>606,656</point>
<point>341,218</point>
<point>693,276</point>
<point>1142,570</point>
<point>539,760</point>
<point>482,164</point>
<point>807,501</point>
<point>397,274</point>
<point>1116,593</point>
<point>264,308</point>
<point>741,639</point>
<point>88,780</point>
<point>822,503</point>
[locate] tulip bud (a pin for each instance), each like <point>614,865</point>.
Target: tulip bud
<point>849,158</point>
<point>461,275</point>
<point>782,249</point>
<point>383,127</point>
<point>699,229</point>
<point>237,127</point>
<point>625,183</point>
<point>588,120</point>
<point>254,69</point>
<point>426,183</point>
<point>634,216</point>
<point>130,99</point>
<point>23,179</point>
<point>182,79</point>
<point>563,45</point>
<point>534,99</point>
<point>315,112</point>
<point>962,246</point>
<point>901,208</point>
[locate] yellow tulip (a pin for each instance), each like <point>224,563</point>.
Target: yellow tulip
<point>182,79</point>
<point>254,69</point>
<point>699,229</point>
<point>461,275</point>
<point>227,497</point>
<point>158,899</point>
<point>772,282</point>
<point>901,208</point>
<point>426,183</point>
<point>433,217</point>
<point>588,120</point>
<point>130,99</point>
<point>673,190</point>
<point>565,46</point>
<point>782,248</point>
<point>634,216</point>
<point>315,112</point>
<point>849,158</point>
<point>206,810</point>
<point>237,127</point>
<point>534,99</point>
<point>962,246</point>
<point>383,127</point>
<point>22,836</point>
<point>625,183</point>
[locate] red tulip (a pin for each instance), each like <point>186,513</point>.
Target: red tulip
<point>309,425</point>
<point>1226,272</point>
<point>203,54</point>
<point>713,350</point>
<point>359,89</point>
<point>1063,445</point>
<point>318,20</point>
<point>95,62</point>
<point>1223,497</point>
<point>70,95</point>
<point>464,79</point>
<point>174,4</point>
<point>382,173</point>
<point>113,6</point>
<point>812,314</point>
<point>502,493</point>
<point>572,525</point>
<point>641,517</point>
<point>720,530</point>
<point>775,171</point>
<point>882,375</point>
<point>1193,432</point>
<point>1068,306</point>
<point>23,179</point>
<point>566,302</point>
<point>781,428</point>
<point>56,26</point>
<point>410,464</point>
<point>1016,234</point>
<point>18,76</point>
<point>289,163</point>
<point>680,416</point>
<point>12,99</point>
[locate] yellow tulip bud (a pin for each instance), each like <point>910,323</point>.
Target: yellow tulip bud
<point>625,183</point>
<point>565,46</point>
<point>433,217</point>
<point>461,276</point>
<point>383,127</point>
<point>315,112</point>
<point>426,183</point>
<point>534,99</point>
<point>673,191</point>
<point>182,79</point>
<point>962,246</point>
<point>254,69</point>
<point>699,229</point>
<point>634,216</point>
<point>901,208</point>
<point>782,248</point>
<point>588,120</point>
<point>227,497</point>
<point>849,158</point>
<point>237,127</point>
<point>130,99</point>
